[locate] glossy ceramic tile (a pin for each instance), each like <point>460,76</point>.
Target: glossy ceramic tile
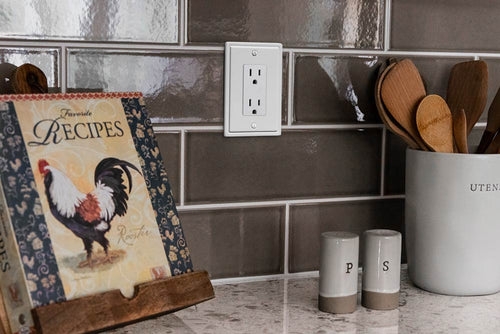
<point>178,87</point>
<point>236,242</point>
<point>170,146</point>
<point>321,23</point>
<point>307,222</point>
<point>445,25</point>
<point>46,59</point>
<point>474,138</point>
<point>395,162</point>
<point>90,20</point>
<point>321,163</point>
<point>335,89</point>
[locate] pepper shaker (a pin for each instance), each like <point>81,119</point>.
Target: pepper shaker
<point>338,273</point>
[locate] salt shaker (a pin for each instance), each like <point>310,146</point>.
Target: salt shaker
<point>381,269</point>
<point>338,273</point>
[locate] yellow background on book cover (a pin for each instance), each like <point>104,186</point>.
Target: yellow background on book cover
<point>136,233</point>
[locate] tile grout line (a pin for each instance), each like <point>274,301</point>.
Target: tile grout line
<point>382,162</point>
<point>356,126</point>
<point>181,27</point>
<point>64,69</point>
<point>182,167</point>
<point>291,80</point>
<point>325,126</point>
<point>270,203</point>
<point>185,14</point>
<point>155,47</point>
<point>387,25</point>
<point>263,278</point>
<point>287,239</point>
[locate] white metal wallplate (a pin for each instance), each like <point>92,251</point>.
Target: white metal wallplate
<point>252,92</point>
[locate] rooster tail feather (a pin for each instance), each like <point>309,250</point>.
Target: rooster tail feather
<point>104,167</point>
<point>109,175</point>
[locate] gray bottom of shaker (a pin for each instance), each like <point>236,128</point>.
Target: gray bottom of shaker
<point>338,305</point>
<point>379,301</point>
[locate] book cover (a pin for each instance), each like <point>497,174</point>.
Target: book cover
<point>85,200</point>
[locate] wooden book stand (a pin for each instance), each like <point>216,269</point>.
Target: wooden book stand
<point>110,309</point>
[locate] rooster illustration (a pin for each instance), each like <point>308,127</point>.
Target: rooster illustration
<point>89,216</point>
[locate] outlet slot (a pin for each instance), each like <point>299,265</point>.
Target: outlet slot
<point>254,90</point>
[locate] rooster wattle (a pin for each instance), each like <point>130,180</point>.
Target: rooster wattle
<point>89,216</point>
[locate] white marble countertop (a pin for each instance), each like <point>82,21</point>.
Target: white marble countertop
<point>290,306</point>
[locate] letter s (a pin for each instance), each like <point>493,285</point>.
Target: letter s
<point>385,266</point>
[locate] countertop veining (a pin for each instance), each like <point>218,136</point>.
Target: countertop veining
<point>290,306</point>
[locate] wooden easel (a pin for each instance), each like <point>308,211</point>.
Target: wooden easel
<point>109,309</point>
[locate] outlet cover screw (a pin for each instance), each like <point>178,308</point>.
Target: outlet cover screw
<point>254,126</point>
<point>254,52</point>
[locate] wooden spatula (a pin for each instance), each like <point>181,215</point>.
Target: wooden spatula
<point>468,90</point>
<point>460,131</point>
<point>401,91</point>
<point>493,124</point>
<point>494,147</point>
<point>383,113</point>
<point>435,124</point>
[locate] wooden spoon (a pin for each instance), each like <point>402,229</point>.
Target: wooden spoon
<point>468,90</point>
<point>460,131</point>
<point>402,90</point>
<point>383,113</point>
<point>493,124</point>
<point>435,123</point>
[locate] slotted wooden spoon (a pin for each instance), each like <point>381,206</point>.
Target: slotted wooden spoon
<point>401,91</point>
<point>492,126</point>
<point>468,90</point>
<point>383,113</point>
<point>460,131</point>
<point>435,123</point>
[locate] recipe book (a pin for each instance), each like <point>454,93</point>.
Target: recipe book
<point>85,201</point>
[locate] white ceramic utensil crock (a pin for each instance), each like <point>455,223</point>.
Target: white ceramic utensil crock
<point>452,219</point>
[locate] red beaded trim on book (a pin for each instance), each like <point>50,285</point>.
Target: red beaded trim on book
<point>68,96</point>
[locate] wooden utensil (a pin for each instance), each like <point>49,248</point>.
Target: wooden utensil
<point>494,147</point>
<point>383,113</point>
<point>435,123</point>
<point>29,79</point>
<point>401,91</point>
<point>493,124</point>
<point>468,90</point>
<point>460,131</point>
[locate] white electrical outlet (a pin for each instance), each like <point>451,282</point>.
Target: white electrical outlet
<point>252,100</point>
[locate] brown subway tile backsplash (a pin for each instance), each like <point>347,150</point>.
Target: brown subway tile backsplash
<point>296,23</point>
<point>178,87</point>
<point>335,89</point>
<point>296,164</point>
<point>91,20</point>
<point>445,25</point>
<point>170,149</point>
<point>46,59</point>
<point>307,222</point>
<point>395,162</point>
<point>236,242</point>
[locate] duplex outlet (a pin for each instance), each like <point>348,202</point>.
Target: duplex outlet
<point>254,90</point>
